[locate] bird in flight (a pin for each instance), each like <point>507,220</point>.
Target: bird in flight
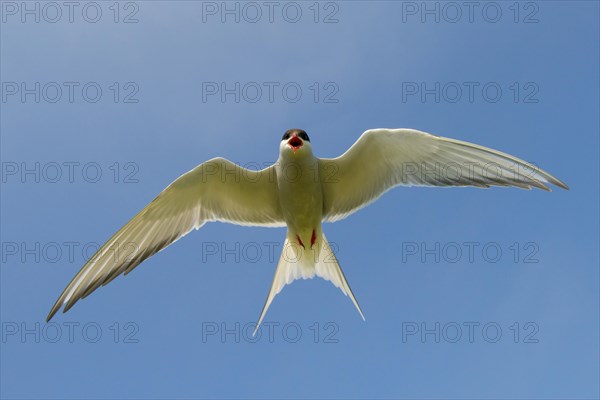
<point>300,192</point>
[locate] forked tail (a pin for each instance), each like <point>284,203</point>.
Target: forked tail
<point>297,263</point>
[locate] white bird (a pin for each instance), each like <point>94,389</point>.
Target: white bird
<point>299,191</point>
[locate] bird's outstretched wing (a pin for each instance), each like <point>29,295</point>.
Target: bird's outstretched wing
<point>383,158</point>
<point>217,190</point>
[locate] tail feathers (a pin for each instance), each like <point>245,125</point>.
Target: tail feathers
<point>329,269</point>
<point>293,265</point>
<point>290,267</point>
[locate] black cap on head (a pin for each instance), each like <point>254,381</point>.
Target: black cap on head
<point>301,134</point>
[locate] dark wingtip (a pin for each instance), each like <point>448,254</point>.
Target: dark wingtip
<point>557,182</point>
<point>69,305</point>
<point>563,185</point>
<point>51,313</point>
<point>57,307</point>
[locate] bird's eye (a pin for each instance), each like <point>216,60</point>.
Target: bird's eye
<point>286,136</point>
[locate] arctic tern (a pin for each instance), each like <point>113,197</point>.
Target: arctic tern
<point>300,192</point>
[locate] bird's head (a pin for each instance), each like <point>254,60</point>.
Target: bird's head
<point>295,143</point>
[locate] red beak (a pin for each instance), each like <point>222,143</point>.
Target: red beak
<point>295,143</point>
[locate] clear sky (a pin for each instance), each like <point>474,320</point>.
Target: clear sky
<point>467,293</point>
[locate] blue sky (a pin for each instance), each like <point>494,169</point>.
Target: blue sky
<point>175,327</point>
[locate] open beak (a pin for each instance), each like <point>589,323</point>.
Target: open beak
<point>295,143</point>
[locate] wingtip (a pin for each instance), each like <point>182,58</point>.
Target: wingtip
<point>52,312</point>
<point>257,328</point>
<point>556,182</point>
<point>361,314</point>
<point>559,184</point>
<point>70,304</point>
<point>563,185</point>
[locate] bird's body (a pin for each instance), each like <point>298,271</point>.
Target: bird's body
<point>300,191</point>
